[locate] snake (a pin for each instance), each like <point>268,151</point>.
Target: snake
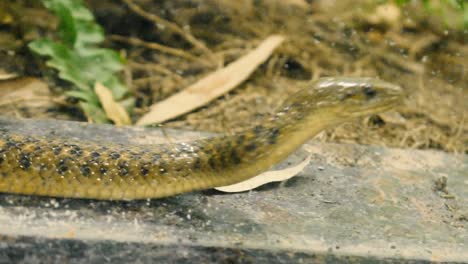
<point>62,167</point>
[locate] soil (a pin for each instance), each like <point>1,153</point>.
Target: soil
<point>344,38</point>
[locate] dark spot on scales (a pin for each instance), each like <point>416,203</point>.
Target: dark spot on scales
<point>62,166</point>
<point>76,151</point>
<point>24,161</point>
<point>14,144</point>
<point>222,159</point>
<point>240,139</point>
<point>211,162</point>
<point>197,163</point>
<point>144,170</point>
<point>85,170</point>
<point>56,150</point>
<point>9,143</point>
<point>250,147</point>
<point>258,130</point>
<point>114,155</point>
<point>274,133</point>
<point>235,157</point>
<point>208,152</point>
<point>162,167</point>
<point>103,170</point>
<point>123,168</point>
<point>62,169</point>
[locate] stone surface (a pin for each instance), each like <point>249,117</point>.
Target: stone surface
<point>351,204</point>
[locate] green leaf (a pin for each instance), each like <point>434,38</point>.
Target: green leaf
<point>88,33</point>
<point>452,12</point>
<point>401,2</point>
<point>77,57</point>
<point>79,10</point>
<point>67,29</point>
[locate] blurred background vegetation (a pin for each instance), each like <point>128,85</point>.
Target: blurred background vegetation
<point>161,47</point>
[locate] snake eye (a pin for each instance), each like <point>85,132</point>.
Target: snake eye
<point>369,92</point>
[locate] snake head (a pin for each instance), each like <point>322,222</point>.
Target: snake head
<point>354,96</point>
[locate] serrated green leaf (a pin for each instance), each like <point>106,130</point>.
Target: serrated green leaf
<point>109,60</point>
<point>78,59</point>
<point>68,64</point>
<point>88,33</point>
<point>42,47</point>
<point>67,29</point>
<point>79,10</point>
<point>77,26</point>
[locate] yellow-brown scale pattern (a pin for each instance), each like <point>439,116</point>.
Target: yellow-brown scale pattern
<point>34,165</point>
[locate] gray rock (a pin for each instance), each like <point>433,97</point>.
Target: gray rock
<point>351,204</point>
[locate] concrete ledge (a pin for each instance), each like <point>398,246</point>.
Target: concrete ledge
<point>351,204</point>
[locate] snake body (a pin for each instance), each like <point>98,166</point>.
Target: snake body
<point>59,167</point>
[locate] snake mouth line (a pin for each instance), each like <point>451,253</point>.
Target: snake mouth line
<point>374,110</point>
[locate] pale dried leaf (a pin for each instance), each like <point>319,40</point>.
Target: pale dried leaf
<point>28,92</point>
<point>393,117</point>
<point>212,86</point>
<point>7,75</point>
<point>114,110</point>
<point>266,177</point>
<point>385,13</point>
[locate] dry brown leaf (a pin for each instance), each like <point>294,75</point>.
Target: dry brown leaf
<point>212,86</point>
<point>266,177</point>
<point>7,75</point>
<point>25,91</point>
<point>114,110</point>
<point>386,13</point>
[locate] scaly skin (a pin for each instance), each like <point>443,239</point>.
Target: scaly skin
<point>34,165</point>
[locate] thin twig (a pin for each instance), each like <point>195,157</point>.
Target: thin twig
<point>154,67</point>
<point>152,79</point>
<point>158,21</point>
<point>156,46</point>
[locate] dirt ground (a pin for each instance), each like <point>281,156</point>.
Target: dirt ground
<point>323,39</point>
